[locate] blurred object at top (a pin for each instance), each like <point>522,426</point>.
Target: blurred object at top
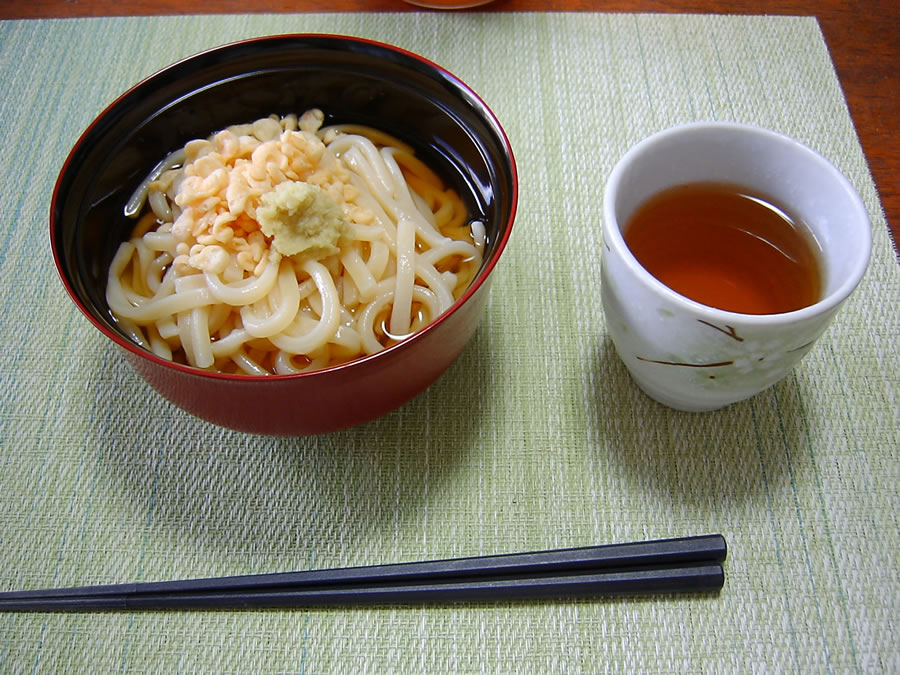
<point>448,4</point>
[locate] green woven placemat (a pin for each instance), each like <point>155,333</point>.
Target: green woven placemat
<point>535,438</point>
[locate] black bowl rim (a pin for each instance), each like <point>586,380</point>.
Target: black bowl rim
<point>476,284</point>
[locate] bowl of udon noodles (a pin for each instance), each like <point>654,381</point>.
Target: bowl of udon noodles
<point>288,235</point>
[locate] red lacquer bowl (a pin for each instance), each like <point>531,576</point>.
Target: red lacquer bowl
<point>353,80</point>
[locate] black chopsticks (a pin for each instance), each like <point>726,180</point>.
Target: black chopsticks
<point>687,564</point>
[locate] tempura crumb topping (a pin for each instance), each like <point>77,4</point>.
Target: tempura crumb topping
<point>223,183</point>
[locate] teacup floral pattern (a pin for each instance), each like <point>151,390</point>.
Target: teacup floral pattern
<point>735,358</point>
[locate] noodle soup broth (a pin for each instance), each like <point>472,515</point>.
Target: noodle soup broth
<point>370,247</point>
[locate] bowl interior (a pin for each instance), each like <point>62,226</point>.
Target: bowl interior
<point>351,80</point>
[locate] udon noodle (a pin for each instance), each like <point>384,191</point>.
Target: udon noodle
<point>201,282</point>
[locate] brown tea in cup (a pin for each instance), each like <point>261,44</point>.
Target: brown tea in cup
<point>721,246</point>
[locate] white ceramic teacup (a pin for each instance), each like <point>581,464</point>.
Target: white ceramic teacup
<point>694,357</point>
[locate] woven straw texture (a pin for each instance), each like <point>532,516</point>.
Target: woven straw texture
<point>536,438</point>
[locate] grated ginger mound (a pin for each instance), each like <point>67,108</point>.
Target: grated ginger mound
<point>302,220</point>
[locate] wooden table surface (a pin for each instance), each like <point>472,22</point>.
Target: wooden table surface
<point>863,38</point>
